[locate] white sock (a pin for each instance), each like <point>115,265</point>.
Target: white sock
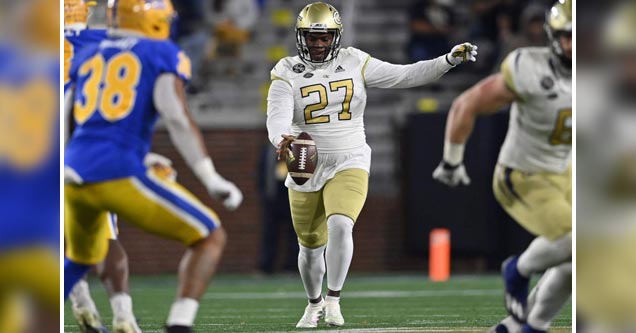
<point>182,312</point>
<point>339,250</point>
<point>81,297</point>
<point>311,264</point>
<point>332,299</point>
<point>121,303</point>
<point>552,292</point>
<point>543,254</point>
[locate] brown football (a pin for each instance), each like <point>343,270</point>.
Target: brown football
<point>302,158</point>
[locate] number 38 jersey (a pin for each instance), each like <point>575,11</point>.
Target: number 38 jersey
<point>329,101</point>
<point>539,137</point>
<point>113,104</point>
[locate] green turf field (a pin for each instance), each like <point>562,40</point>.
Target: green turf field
<point>370,303</point>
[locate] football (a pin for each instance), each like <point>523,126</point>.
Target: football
<point>302,157</point>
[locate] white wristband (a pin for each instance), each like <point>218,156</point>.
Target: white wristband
<point>205,171</point>
<point>453,153</point>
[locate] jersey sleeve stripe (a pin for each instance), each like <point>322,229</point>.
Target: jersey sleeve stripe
<point>508,75</point>
<point>364,67</point>
<point>274,77</point>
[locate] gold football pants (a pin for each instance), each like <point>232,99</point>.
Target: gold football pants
<point>344,194</point>
<point>539,202</point>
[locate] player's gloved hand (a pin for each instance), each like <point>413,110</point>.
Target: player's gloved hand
<point>161,165</point>
<point>451,175</point>
<point>218,187</point>
<point>283,146</point>
<point>462,53</point>
<point>225,191</point>
<point>152,159</point>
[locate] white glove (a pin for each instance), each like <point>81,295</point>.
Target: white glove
<point>218,187</point>
<point>225,191</point>
<point>451,175</point>
<point>161,165</point>
<point>462,53</point>
<point>151,159</point>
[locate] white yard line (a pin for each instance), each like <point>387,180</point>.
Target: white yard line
<point>359,294</point>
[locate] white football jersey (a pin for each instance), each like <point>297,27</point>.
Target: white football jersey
<point>606,156</point>
<point>328,102</point>
<point>539,137</point>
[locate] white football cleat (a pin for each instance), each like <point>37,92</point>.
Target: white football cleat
<point>313,313</point>
<point>125,326</point>
<point>89,321</point>
<point>333,316</point>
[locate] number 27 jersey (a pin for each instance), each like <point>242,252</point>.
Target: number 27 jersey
<point>329,101</point>
<point>113,104</point>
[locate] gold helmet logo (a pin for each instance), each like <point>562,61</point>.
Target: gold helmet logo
<point>318,17</point>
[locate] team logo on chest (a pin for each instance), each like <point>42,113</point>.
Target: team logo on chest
<point>547,83</point>
<point>298,68</point>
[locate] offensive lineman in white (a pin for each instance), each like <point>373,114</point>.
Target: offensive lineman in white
<point>322,91</point>
<point>532,180</point>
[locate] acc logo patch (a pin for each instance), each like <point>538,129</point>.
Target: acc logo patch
<point>547,83</point>
<point>298,68</point>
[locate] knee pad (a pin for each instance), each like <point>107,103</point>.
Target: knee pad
<point>339,225</point>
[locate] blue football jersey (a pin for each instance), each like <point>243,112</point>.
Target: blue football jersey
<point>74,41</point>
<point>29,148</point>
<point>113,109</point>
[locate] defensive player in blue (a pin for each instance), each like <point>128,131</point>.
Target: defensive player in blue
<point>113,271</point>
<point>118,89</point>
<point>29,166</point>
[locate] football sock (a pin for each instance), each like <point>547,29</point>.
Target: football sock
<point>552,292</point>
<point>121,303</point>
<point>81,297</point>
<point>182,312</point>
<point>73,272</point>
<point>311,264</point>
<point>332,299</point>
<point>543,254</point>
<point>339,250</point>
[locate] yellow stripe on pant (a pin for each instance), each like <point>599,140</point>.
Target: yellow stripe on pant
<point>539,202</point>
<point>156,205</point>
<point>344,194</point>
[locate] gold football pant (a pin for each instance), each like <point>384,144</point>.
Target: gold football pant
<point>158,206</point>
<point>539,202</point>
<point>344,194</point>
<point>31,272</point>
<point>606,275</point>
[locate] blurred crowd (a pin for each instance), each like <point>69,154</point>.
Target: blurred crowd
<point>497,26</point>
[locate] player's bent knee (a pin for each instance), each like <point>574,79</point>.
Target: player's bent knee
<point>339,225</point>
<point>565,245</point>
<point>312,240</point>
<point>217,239</point>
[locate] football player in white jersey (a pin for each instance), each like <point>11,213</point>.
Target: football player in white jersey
<point>606,186</point>
<point>532,180</point>
<point>322,91</point>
